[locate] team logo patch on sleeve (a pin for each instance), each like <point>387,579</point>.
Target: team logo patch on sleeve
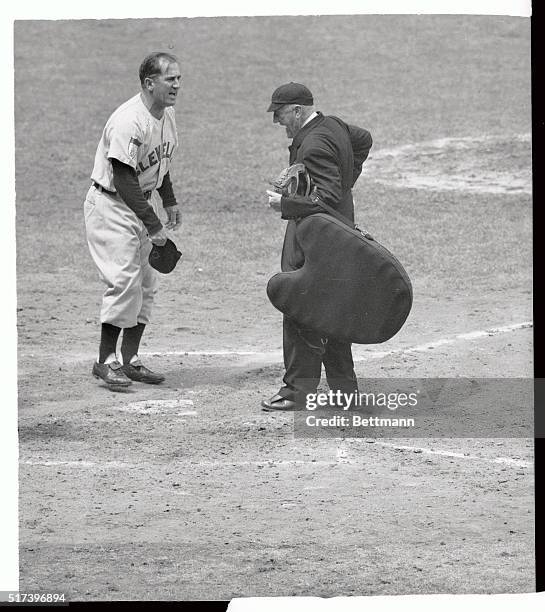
<point>134,143</point>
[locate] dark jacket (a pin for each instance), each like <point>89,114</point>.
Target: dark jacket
<point>333,153</point>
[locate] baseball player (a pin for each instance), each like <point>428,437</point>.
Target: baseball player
<point>130,185</point>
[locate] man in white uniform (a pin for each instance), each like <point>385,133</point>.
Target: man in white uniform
<point>130,185</point>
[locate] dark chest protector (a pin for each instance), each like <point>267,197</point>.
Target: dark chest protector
<point>350,287</point>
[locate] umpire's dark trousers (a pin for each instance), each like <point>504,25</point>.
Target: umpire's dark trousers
<point>304,352</point>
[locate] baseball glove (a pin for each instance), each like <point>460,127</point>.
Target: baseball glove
<point>164,258</point>
<point>294,180</point>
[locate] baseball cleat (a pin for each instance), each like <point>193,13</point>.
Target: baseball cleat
<point>111,373</point>
<point>139,373</point>
<point>277,402</point>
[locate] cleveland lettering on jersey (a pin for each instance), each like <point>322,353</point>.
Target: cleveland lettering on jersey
<point>157,154</point>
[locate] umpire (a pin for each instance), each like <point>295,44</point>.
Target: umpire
<point>333,153</point>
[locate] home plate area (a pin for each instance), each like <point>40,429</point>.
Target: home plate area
<point>164,407</point>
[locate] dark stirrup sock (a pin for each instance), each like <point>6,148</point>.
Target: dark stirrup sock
<point>131,341</point>
<point>108,341</point>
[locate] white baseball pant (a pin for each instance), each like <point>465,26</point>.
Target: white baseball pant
<point>120,246</point>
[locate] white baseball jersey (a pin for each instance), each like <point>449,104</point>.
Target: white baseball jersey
<point>136,138</point>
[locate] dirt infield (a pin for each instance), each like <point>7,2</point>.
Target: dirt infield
<point>188,490</point>
<point>191,492</point>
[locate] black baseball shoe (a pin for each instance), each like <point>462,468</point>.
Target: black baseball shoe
<point>139,373</point>
<point>112,374</point>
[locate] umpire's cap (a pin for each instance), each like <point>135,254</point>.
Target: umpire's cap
<point>164,258</point>
<point>290,93</point>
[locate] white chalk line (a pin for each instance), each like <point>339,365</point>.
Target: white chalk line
<point>342,455</point>
<point>474,335</point>
<point>341,458</point>
<point>79,464</point>
<point>519,463</point>
<point>468,336</point>
<point>121,465</point>
<point>221,353</point>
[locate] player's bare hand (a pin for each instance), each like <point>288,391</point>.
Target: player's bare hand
<point>174,215</point>
<point>275,200</point>
<point>159,238</point>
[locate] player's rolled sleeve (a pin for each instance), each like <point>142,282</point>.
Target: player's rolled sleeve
<point>167,192</point>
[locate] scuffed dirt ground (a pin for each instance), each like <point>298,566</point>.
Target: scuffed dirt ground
<point>213,498</point>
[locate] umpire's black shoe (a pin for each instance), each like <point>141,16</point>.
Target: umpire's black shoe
<point>277,402</point>
<point>139,373</point>
<point>112,374</point>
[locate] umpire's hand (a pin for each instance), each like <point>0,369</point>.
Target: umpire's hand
<point>275,200</point>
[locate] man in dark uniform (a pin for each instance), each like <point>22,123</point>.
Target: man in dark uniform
<point>333,153</point>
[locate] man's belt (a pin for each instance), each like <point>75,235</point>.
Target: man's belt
<point>147,194</point>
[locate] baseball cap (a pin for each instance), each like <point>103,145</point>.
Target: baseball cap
<point>290,93</point>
